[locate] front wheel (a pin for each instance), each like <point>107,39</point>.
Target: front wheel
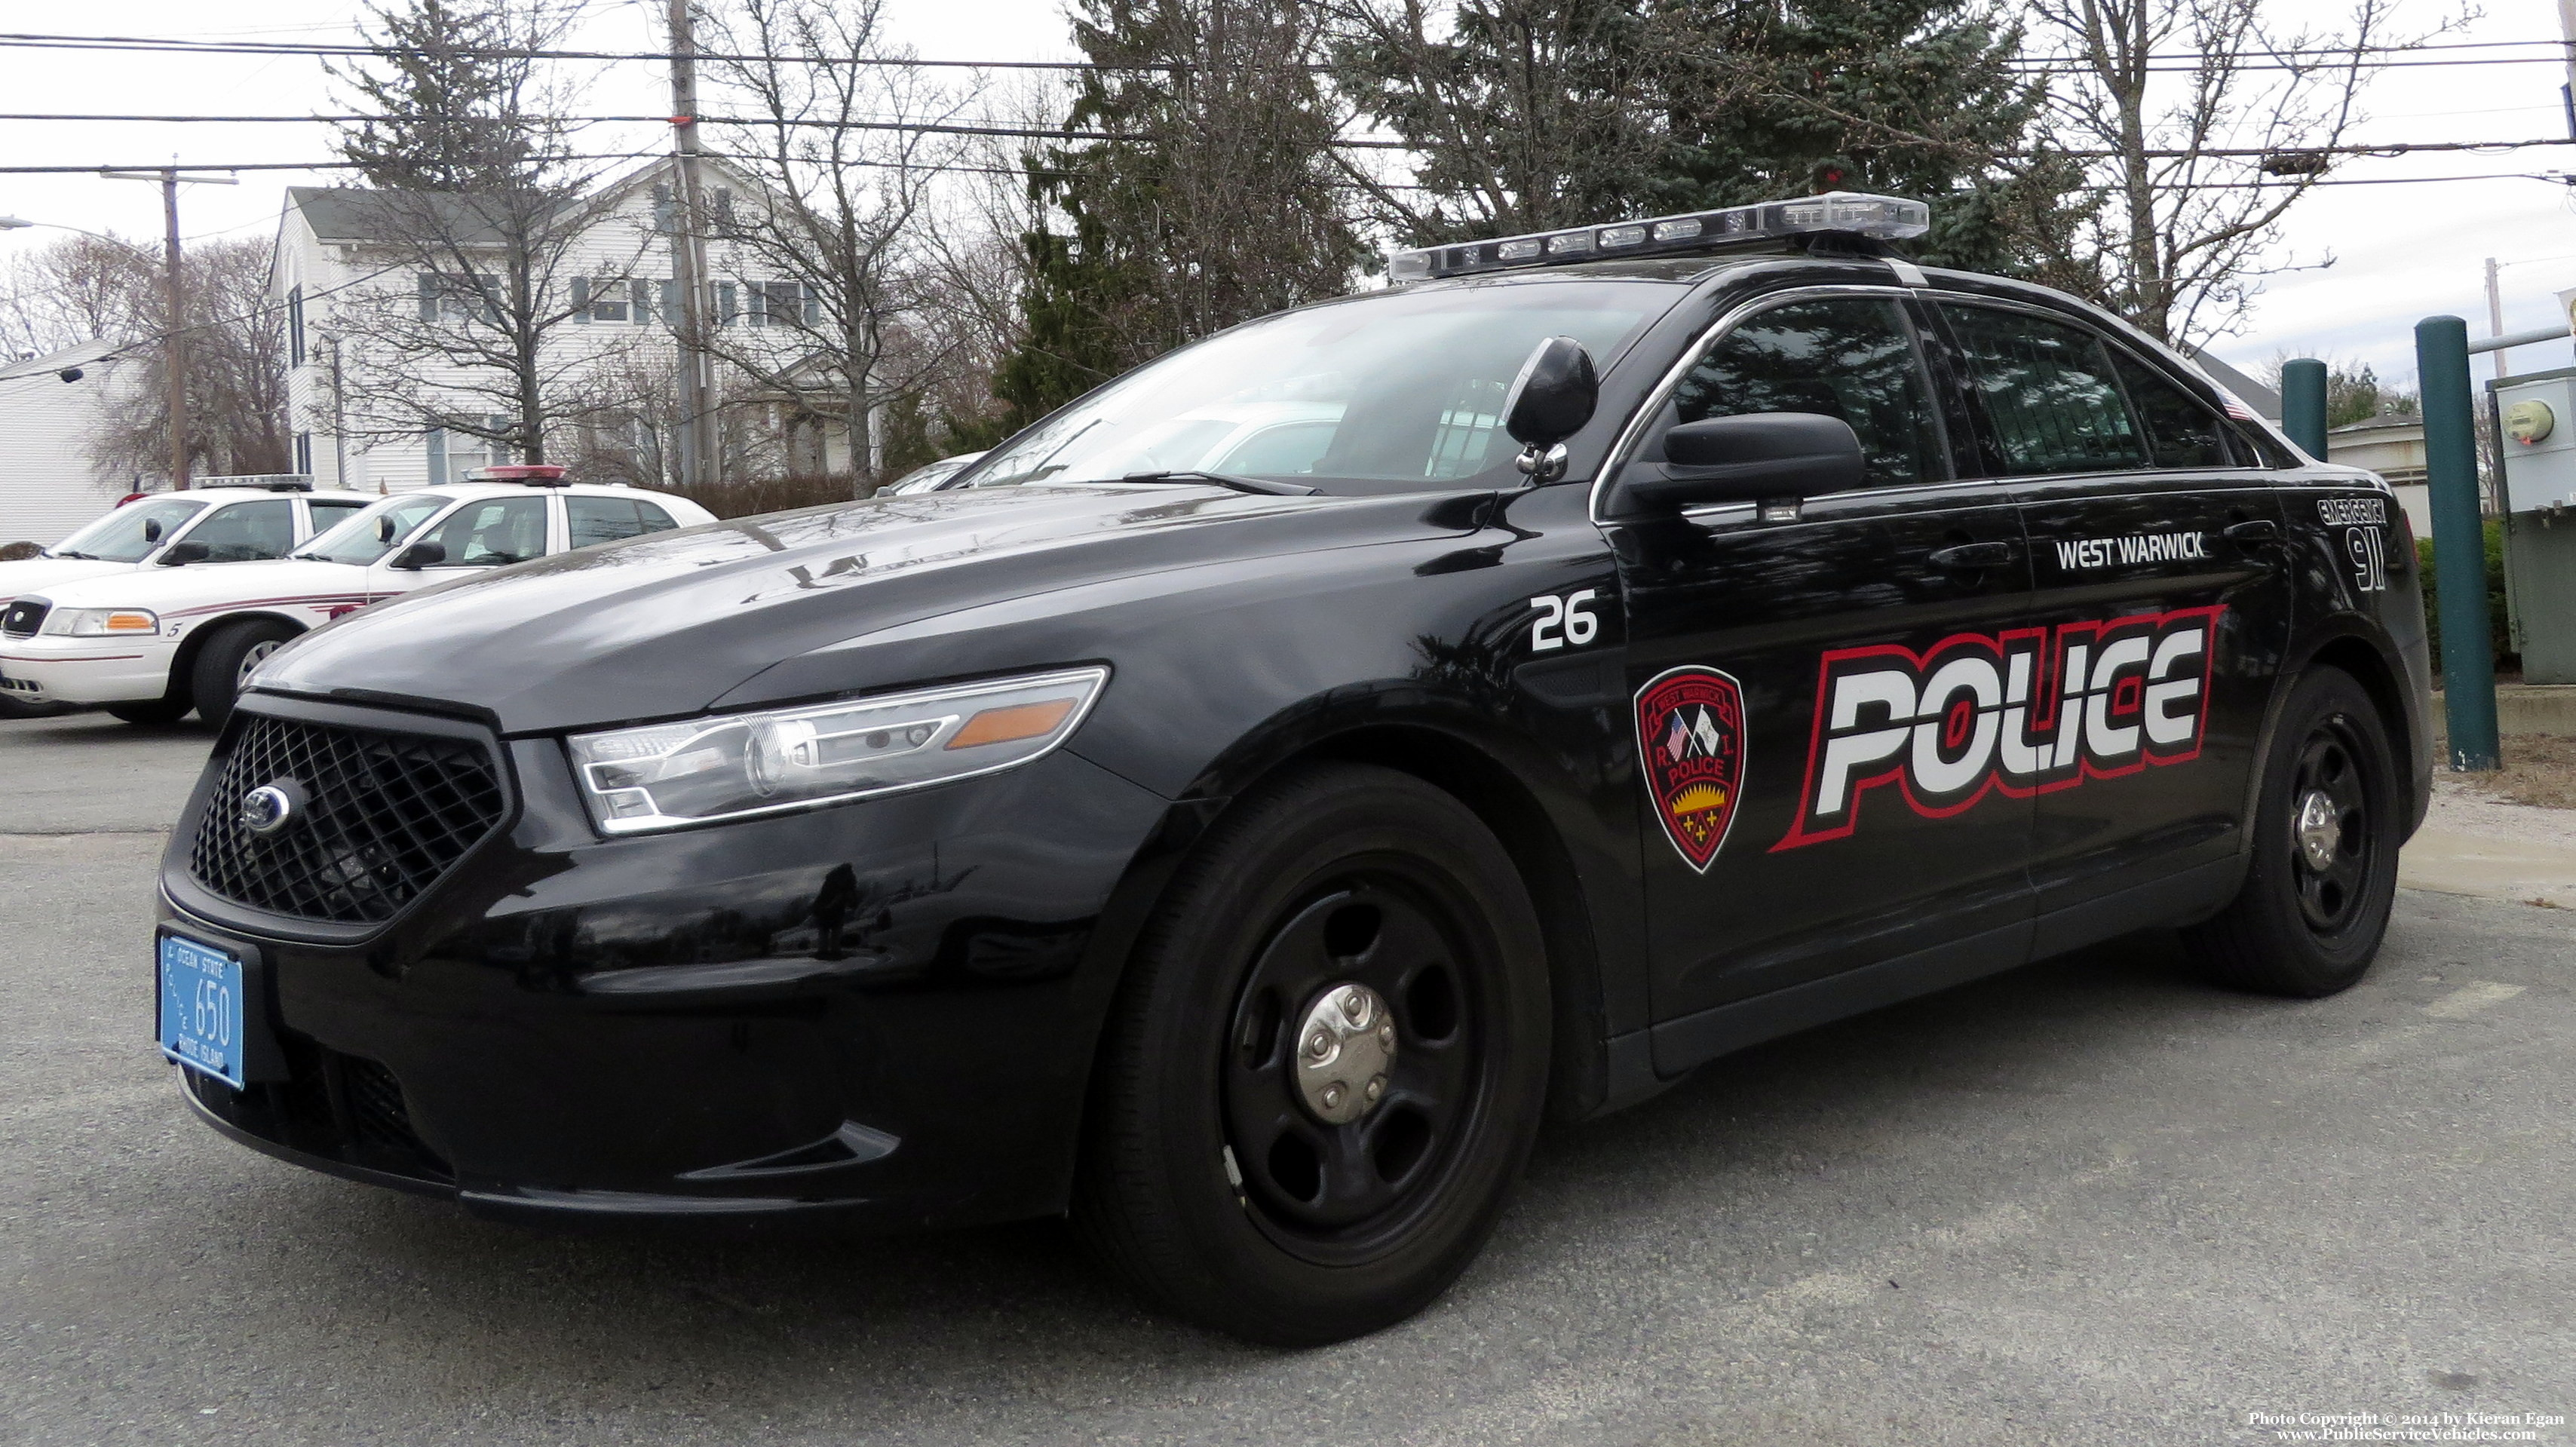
<point>2327,826</point>
<point>228,659</point>
<point>1326,1065</point>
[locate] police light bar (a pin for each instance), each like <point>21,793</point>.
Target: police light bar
<point>534,474</point>
<point>1882,218</point>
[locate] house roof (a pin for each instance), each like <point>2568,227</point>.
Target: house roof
<point>358,213</point>
<point>85,354</point>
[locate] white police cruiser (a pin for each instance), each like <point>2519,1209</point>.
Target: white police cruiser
<point>152,646</point>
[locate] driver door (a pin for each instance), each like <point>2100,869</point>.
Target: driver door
<point>1819,687</point>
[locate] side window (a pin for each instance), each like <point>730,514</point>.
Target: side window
<point>601,519</point>
<point>655,520</point>
<point>1846,357</point>
<point>247,531</point>
<point>330,513</point>
<point>2181,431</point>
<point>492,532</point>
<point>2049,393</point>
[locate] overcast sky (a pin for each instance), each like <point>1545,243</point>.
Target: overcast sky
<point>2400,251</point>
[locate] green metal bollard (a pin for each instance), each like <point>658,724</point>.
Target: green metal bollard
<point>2303,404</point>
<point>2459,541</point>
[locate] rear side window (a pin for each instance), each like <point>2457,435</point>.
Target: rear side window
<point>329,513</point>
<point>2181,432</point>
<point>247,531</point>
<point>654,519</point>
<point>601,519</point>
<point>2050,393</point>
<point>1846,357</point>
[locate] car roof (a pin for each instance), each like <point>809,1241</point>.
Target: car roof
<point>233,494</point>
<point>466,490</point>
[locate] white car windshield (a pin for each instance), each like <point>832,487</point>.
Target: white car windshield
<point>126,535</point>
<point>374,531</point>
<point>1393,392</point>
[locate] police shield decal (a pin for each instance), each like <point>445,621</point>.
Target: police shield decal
<point>1690,737</point>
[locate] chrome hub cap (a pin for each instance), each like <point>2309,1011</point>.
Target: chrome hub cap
<point>1345,1053</point>
<point>2320,830</point>
<point>254,657</point>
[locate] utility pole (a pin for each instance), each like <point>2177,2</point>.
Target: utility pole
<point>689,253</point>
<point>2495,314</point>
<point>174,298</point>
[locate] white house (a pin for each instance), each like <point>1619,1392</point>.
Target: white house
<point>50,409</point>
<point>335,260</point>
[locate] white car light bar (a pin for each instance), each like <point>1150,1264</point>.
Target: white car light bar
<point>731,766</point>
<point>1881,218</point>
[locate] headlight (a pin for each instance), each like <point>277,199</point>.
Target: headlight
<point>662,776</point>
<point>102,622</point>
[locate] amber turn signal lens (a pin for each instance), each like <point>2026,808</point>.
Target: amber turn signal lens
<point>1020,721</point>
<point>132,623</point>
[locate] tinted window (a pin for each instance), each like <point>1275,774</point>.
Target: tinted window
<point>246,531</point>
<point>2181,432</point>
<point>373,532</point>
<point>655,520</point>
<point>2049,393</point>
<point>329,513</point>
<point>1846,357</point>
<point>601,519</point>
<point>492,532</point>
<point>120,537</point>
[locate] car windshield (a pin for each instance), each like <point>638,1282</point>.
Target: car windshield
<point>124,536</point>
<point>371,534</point>
<point>1393,392</point>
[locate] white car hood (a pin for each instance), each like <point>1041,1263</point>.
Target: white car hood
<point>38,575</point>
<point>222,585</point>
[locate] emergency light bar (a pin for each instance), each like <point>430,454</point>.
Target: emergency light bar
<point>1882,218</point>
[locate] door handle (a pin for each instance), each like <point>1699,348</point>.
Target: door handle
<point>2252,531</point>
<point>1970,557</point>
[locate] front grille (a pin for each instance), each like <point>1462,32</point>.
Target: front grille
<point>382,816</point>
<point>24,617</point>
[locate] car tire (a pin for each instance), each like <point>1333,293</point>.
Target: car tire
<point>225,659</point>
<point>1212,1179</point>
<point>2323,874</point>
<point>154,712</point>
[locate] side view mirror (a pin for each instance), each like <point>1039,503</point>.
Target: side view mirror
<point>419,555</point>
<point>152,530</point>
<point>1749,458</point>
<point>384,530</point>
<point>181,554</point>
<point>1549,402</point>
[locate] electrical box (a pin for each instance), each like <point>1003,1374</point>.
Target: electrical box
<point>2536,427</point>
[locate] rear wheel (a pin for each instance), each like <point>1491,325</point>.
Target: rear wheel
<point>1325,1067</point>
<point>227,660</point>
<point>2327,827</point>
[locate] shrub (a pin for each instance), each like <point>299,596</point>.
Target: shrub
<point>753,496</point>
<point>2499,620</point>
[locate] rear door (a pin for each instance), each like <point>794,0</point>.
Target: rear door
<point>2163,595</point>
<point>1816,687</point>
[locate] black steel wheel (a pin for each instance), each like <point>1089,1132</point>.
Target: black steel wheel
<point>2322,872</point>
<point>1325,1066</point>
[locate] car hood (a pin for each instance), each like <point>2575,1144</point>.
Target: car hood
<point>208,586</point>
<point>753,610</point>
<point>37,575</point>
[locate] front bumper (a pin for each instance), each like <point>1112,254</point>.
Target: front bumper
<point>51,669</point>
<point>881,1011</point>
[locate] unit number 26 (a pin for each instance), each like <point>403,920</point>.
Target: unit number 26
<point>1563,620</point>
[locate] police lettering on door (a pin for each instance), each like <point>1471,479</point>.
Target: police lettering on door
<point>2021,712</point>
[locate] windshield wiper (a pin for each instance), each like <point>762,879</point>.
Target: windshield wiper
<point>1260,485</point>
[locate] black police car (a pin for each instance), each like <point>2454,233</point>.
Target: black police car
<point>1238,808</point>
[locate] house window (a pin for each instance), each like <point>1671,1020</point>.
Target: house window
<point>453,452</point>
<point>722,205</point>
<point>304,453</point>
<point>454,298</point>
<point>784,303</point>
<point>600,301</point>
<point>295,326</point>
<point>666,215</point>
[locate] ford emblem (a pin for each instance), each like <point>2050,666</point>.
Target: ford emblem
<point>271,807</point>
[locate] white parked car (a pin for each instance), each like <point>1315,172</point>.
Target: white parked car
<point>152,646</point>
<point>205,526</point>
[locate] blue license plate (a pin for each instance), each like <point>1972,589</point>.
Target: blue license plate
<point>201,1008</point>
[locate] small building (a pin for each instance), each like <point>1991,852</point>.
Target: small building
<point>2393,447</point>
<point>51,408</point>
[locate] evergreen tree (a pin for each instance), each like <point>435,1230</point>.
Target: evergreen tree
<point>447,95</point>
<point>1916,98</point>
<point>1211,201</point>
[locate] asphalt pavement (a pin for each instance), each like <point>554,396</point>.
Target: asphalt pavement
<point>2090,1202</point>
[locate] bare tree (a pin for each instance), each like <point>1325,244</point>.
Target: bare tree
<point>479,275</point>
<point>847,173</point>
<point>2205,122</point>
<point>78,289</point>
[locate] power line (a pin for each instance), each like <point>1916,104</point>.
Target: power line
<point>755,122</point>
